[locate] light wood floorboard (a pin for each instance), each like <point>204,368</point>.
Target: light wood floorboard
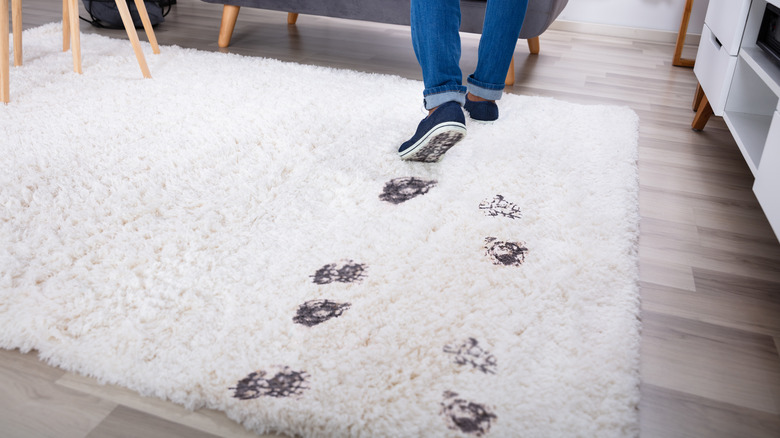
<point>709,261</point>
<point>33,405</point>
<point>126,422</point>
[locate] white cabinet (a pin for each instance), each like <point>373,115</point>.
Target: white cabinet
<point>716,59</point>
<point>752,101</point>
<point>714,68</point>
<point>742,84</point>
<point>726,20</point>
<point>767,183</point>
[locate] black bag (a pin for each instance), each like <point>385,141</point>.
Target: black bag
<point>104,13</point>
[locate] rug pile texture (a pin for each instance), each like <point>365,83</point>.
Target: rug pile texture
<point>238,233</point>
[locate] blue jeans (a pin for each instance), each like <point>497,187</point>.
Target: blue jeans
<point>435,25</point>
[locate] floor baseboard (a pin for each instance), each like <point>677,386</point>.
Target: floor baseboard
<point>655,35</point>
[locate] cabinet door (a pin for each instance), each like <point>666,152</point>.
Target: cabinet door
<point>767,185</point>
<point>726,19</point>
<point>714,69</point>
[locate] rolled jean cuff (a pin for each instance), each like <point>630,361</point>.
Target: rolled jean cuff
<point>484,89</point>
<point>440,95</point>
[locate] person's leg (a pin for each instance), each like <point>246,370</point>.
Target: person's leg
<point>435,25</point>
<point>503,20</point>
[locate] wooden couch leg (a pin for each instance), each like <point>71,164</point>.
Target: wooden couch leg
<point>292,18</point>
<point>229,17</point>
<point>510,75</point>
<point>533,45</point>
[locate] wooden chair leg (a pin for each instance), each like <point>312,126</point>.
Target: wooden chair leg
<point>127,20</point>
<point>16,6</point>
<point>139,4</point>
<point>702,114</point>
<point>229,16</point>
<point>65,25</point>
<point>678,59</point>
<point>75,38</point>
<point>292,18</point>
<point>5,68</point>
<point>533,45</point>
<point>510,75</point>
<point>697,97</point>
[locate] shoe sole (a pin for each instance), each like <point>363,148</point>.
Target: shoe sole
<point>435,143</point>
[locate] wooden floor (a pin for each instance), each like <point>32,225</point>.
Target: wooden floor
<point>710,264</point>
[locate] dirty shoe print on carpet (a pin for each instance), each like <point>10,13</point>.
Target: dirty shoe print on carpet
<point>233,234</point>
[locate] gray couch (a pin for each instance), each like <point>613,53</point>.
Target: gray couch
<point>540,14</point>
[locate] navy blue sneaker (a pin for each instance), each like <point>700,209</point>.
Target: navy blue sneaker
<point>482,111</point>
<point>436,134</point>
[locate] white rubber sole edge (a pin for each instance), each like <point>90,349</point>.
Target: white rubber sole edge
<point>437,130</point>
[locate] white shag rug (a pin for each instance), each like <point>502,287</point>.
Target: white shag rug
<point>239,233</point>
